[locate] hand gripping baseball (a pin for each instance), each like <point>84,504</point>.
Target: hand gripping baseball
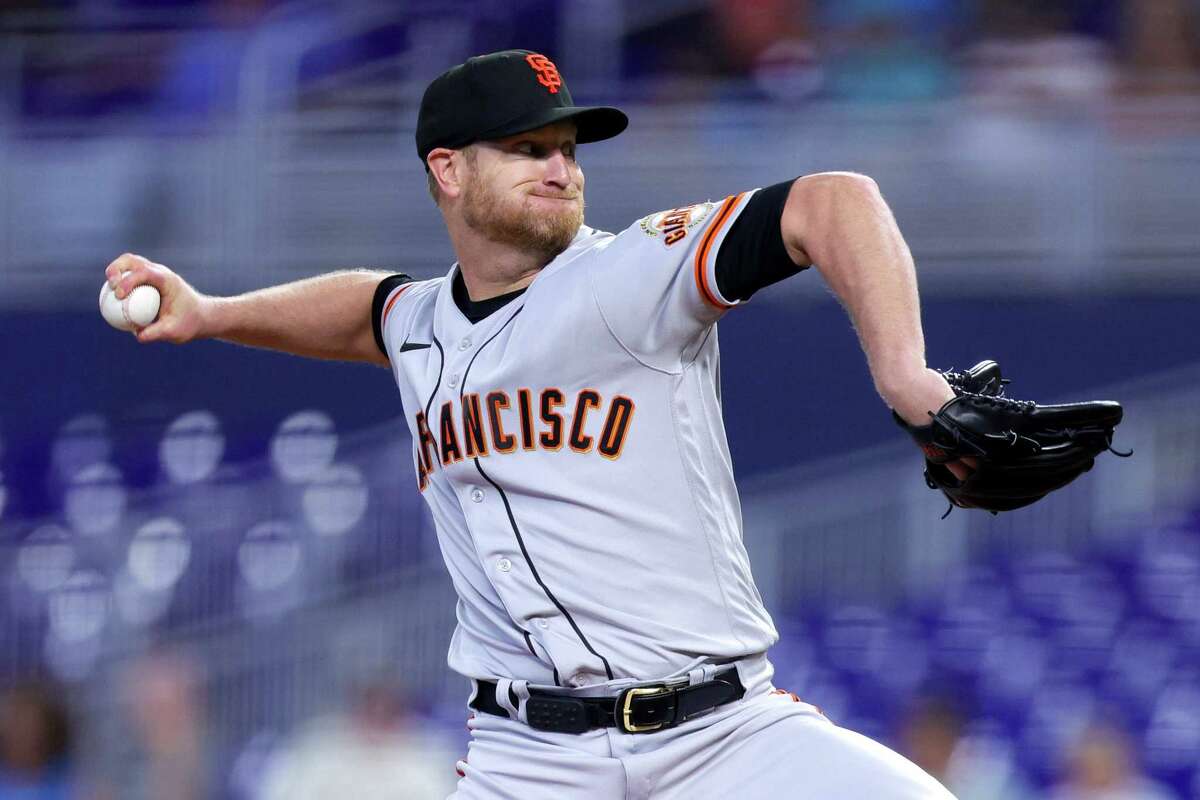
<point>182,310</point>
<point>1023,450</point>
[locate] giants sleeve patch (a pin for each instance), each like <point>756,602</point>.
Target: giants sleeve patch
<point>671,227</point>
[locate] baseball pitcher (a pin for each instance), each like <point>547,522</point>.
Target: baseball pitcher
<point>561,385</point>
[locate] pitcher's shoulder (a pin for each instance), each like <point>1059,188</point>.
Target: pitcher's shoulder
<point>404,305</point>
<point>412,294</point>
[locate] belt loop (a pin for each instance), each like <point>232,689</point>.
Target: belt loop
<point>503,699</point>
<point>696,675</point>
<point>521,690</point>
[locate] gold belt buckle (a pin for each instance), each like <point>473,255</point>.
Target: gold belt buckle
<point>627,709</point>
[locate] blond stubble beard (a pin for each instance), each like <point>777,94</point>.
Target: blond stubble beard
<point>505,221</point>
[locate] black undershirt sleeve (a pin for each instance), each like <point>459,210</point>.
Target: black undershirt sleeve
<point>752,255</point>
<point>382,291</point>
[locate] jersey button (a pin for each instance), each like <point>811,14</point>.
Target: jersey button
<point>477,495</point>
<point>465,344</point>
<point>504,565</point>
<point>541,623</point>
<point>452,381</point>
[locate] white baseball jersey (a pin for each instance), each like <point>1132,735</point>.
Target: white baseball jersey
<point>571,448</point>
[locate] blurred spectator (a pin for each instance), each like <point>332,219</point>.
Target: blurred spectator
<point>1102,767</point>
<point>683,44</point>
<point>167,730</point>
<point>372,751</point>
<point>748,28</point>
<point>774,41</point>
<point>35,744</point>
<point>889,50</point>
<point>1033,50</point>
<point>1162,46</point>
<point>930,734</point>
<point>971,766</point>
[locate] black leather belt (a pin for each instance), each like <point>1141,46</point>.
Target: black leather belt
<point>638,709</point>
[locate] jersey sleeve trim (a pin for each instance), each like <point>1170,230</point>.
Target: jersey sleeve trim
<point>705,268</point>
<point>386,295</point>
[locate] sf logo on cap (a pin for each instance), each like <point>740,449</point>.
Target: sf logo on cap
<point>547,73</point>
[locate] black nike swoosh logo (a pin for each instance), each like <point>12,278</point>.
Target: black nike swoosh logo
<point>404,348</point>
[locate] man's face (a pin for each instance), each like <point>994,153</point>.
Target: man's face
<point>526,190</point>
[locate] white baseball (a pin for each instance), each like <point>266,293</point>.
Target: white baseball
<point>137,310</point>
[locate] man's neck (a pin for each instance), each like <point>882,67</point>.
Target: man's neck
<point>484,285</point>
<point>490,269</point>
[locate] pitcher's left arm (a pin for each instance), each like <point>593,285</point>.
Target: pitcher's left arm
<point>839,223</point>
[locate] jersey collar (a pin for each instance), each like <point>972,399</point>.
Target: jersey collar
<point>451,317</point>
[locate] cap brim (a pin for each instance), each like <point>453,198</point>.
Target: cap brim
<point>593,123</point>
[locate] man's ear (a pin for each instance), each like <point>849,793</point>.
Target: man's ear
<point>445,166</point>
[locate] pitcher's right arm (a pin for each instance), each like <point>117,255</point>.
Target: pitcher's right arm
<point>326,316</point>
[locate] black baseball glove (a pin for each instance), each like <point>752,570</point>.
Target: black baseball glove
<point>1023,450</point>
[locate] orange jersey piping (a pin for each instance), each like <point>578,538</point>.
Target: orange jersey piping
<point>706,246</point>
<point>388,308</point>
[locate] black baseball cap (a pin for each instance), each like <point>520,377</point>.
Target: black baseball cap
<point>501,94</point>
